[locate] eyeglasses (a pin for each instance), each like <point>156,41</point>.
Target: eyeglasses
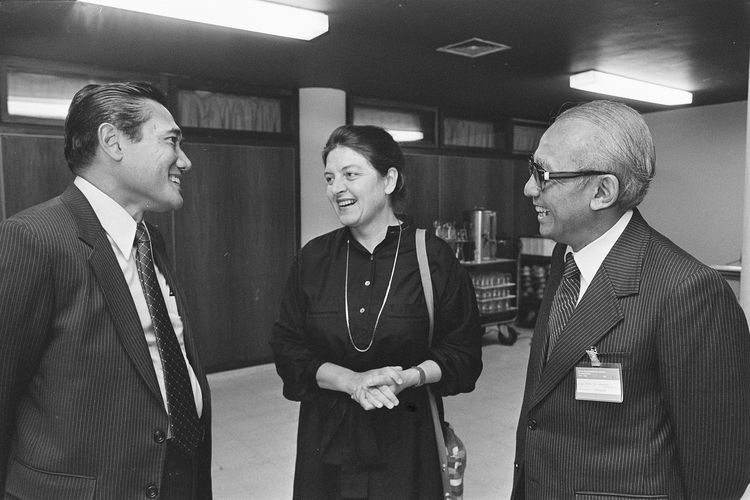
<point>541,176</point>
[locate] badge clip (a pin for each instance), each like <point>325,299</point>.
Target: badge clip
<point>593,356</point>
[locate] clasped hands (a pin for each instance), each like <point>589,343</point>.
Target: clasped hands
<point>379,387</point>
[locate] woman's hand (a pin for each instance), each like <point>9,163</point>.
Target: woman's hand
<point>377,388</point>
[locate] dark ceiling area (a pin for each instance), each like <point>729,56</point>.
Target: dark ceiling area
<point>387,48</point>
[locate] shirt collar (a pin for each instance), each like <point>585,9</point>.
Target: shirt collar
<point>115,220</point>
<point>391,234</point>
<point>589,258</point>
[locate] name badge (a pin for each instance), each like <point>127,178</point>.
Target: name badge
<point>599,383</point>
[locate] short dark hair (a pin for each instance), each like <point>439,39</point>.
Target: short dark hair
<point>121,104</point>
<point>378,147</point>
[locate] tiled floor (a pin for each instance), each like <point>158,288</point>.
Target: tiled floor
<point>254,428</point>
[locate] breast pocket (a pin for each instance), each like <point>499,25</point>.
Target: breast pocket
<point>623,359</point>
<point>615,357</point>
<point>321,326</point>
<point>408,312</point>
<point>406,325</point>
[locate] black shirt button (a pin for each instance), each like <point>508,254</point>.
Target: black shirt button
<point>152,491</point>
<point>160,436</point>
<point>532,424</point>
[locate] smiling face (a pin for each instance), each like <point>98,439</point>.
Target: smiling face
<point>358,193</point>
<point>564,205</point>
<point>150,172</point>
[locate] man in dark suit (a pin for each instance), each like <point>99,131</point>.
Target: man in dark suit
<point>637,383</point>
<point>102,395</point>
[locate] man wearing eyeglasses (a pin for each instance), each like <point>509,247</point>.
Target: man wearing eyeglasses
<point>637,383</point>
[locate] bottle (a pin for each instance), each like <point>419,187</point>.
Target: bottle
<point>459,251</point>
<point>456,463</point>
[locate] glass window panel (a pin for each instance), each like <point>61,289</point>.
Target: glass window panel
<point>38,95</point>
<point>472,133</point>
<point>526,137</point>
<point>404,126</point>
<point>211,110</point>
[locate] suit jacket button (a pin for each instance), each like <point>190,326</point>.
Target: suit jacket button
<point>160,436</point>
<point>532,424</point>
<point>152,491</point>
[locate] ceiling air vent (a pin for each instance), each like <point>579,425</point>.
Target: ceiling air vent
<point>473,47</point>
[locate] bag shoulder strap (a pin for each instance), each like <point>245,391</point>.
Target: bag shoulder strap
<point>424,272</point>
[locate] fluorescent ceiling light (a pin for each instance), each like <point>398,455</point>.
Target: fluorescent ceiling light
<point>604,83</point>
<point>406,135</point>
<point>249,15</point>
<point>38,107</point>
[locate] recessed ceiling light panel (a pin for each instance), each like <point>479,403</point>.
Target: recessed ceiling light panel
<point>473,47</point>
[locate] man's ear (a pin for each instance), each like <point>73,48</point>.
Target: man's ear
<point>109,140</point>
<point>607,192</point>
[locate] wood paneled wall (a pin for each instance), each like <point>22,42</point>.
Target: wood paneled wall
<point>443,187</point>
<point>235,239</point>
<point>33,170</point>
<point>422,177</point>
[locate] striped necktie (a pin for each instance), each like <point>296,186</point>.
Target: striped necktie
<point>564,302</point>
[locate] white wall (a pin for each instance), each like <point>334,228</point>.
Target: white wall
<point>696,197</point>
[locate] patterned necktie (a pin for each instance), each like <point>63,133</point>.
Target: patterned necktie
<point>564,302</point>
<point>180,400</point>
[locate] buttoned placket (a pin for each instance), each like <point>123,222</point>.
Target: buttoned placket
<point>366,288</point>
<point>361,295</point>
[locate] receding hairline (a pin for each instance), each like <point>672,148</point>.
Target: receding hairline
<point>588,140</point>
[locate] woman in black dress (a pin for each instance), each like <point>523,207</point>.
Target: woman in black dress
<point>351,340</point>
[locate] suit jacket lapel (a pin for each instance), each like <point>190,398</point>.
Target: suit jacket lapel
<point>539,340</point>
<point>599,310</point>
<point>112,283</point>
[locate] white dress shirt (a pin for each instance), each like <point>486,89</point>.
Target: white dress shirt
<point>120,228</point>
<point>589,258</point>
